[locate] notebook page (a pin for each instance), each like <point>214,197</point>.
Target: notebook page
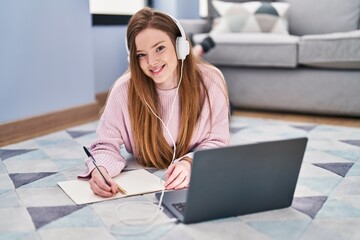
<point>133,182</point>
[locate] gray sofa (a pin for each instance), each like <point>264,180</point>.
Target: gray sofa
<point>314,69</point>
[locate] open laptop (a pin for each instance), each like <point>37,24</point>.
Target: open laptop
<point>236,180</point>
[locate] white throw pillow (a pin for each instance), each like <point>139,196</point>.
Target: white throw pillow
<point>255,16</point>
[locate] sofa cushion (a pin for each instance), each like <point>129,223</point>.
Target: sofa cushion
<point>251,16</point>
<point>336,50</point>
<point>252,49</point>
<point>323,16</point>
<point>192,26</point>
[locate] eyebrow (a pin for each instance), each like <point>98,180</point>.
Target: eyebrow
<point>156,44</point>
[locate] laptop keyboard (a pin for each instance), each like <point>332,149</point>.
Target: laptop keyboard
<point>180,207</point>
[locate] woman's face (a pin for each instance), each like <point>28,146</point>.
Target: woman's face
<point>157,57</point>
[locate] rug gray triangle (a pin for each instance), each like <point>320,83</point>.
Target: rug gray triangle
<point>352,142</point>
<point>340,169</point>
<point>77,134</point>
<point>234,130</point>
<point>309,205</point>
<point>8,153</point>
<point>44,215</point>
<point>305,128</point>
<point>20,179</point>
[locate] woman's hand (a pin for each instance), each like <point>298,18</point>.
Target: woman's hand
<point>178,174</point>
<point>99,186</point>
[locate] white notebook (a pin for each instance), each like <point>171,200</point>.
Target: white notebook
<point>134,182</point>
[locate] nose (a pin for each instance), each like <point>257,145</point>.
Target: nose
<point>152,59</point>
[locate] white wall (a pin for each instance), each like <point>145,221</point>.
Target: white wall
<point>126,7</point>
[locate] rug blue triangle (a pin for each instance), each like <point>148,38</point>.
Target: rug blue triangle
<point>20,179</point>
<point>279,229</point>
<point>44,215</point>
<point>352,142</point>
<point>236,129</point>
<point>8,153</point>
<point>305,128</point>
<point>76,134</point>
<point>340,169</point>
<point>309,205</point>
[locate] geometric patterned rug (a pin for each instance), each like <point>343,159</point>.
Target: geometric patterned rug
<point>326,203</point>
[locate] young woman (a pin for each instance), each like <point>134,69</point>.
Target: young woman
<point>163,109</point>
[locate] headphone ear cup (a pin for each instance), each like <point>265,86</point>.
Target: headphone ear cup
<point>127,49</point>
<point>182,48</point>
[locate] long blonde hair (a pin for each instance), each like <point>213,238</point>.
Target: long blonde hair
<point>151,148</point>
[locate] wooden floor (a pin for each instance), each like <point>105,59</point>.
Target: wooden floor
<point>316,119</point>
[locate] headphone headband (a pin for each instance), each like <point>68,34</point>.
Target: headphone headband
<point>181,29</point>
<point>182,45</point>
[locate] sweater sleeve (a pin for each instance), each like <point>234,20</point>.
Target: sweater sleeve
<point>106,148</point>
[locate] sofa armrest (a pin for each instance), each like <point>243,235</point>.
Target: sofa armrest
<point>194,26</point>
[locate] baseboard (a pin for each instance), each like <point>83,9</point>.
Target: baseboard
<point>101,98</point>
<point>16,131</point>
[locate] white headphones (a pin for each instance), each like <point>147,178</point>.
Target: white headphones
<point>182,45</point>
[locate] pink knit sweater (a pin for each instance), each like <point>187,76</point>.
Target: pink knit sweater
<point>114,128</point>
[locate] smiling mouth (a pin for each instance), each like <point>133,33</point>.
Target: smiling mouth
<point>157,70</point>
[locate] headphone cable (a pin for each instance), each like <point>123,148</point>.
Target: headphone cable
<point>159,208</point>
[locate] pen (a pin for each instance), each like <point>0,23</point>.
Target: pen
<point>121,190</point>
